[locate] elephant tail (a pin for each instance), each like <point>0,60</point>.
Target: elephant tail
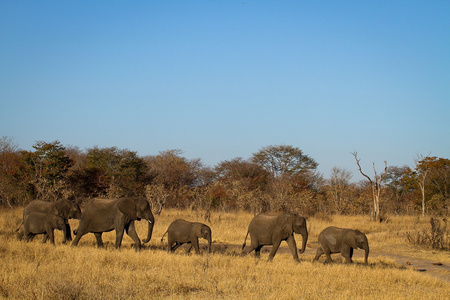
<point>162,238</point>
<point>245,241</point>
<point>21,224</point>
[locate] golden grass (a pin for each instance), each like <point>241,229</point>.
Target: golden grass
<point>36,271</point>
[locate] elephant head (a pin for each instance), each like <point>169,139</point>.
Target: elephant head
<point>205,232</point>
<point>137,209</point>
<point>297,224</point>
<point>67,209</point>
<point>357,239</point>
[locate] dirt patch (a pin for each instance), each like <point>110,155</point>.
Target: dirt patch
<point>436,269</point>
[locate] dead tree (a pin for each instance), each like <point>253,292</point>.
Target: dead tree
<point>376,187</point>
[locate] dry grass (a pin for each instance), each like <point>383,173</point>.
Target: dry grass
<point>36,271</point>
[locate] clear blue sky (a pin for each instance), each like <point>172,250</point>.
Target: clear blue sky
<point>222,79</point>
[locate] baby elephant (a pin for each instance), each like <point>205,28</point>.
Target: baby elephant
<point>42,223</point>
<point>181,231</point>
<point>343,240</point>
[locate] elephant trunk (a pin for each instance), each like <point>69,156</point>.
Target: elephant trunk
<point>366,254</point>
<point>304,234</point>
<point>150,231</point>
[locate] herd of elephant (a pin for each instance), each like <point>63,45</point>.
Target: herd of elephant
<point>103,215</point>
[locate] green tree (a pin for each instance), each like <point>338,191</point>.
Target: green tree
<point>113,172</point>
<point>47,165</point>
<point>284,160</point>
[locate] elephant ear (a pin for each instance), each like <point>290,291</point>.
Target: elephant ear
<point>62,208</point>
<point>350,239</point>
<point>287,223</point>
<point>204,232</point>
<point>128,208</point>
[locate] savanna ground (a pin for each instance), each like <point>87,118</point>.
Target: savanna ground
<point>397,270</point>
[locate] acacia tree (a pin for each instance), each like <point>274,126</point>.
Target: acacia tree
<point>375,185</point>
<point>284,160</point>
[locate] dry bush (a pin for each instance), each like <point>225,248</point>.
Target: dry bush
<point>436,237</point>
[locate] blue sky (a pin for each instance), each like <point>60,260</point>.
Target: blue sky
<point>222,79</point>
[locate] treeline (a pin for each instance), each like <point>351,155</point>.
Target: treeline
<point>275,178</point>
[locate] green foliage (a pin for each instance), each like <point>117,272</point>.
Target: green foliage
<point>46,167</point>
<point>284,160</point>
<point>276,178</point>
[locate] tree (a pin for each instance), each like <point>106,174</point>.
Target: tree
<point>339,184</point>
<point>284,160</point>
<point>47,165</point>
<point>432,175</point>
<point>422,168</point>
<point>175,173</point>
<point>397,187</point>
<point>114,172</point>
<point>375,185</point>
<point>13,175</point>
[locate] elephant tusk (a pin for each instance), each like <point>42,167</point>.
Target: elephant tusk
<point>149,221</point>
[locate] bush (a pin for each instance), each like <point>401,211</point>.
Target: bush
<point>437,237</point>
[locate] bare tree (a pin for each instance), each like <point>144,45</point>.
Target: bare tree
<point>339,183</point>
<point>422,168</point>
<point>376,187</point>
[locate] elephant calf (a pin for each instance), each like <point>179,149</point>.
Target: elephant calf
<point>341,240</point>
<point>42,223</point>
<point>181,232</point>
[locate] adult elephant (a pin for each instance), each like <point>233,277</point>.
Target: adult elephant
<point>103,215</point>
<point>64,208</point>
<point>341,240</point>
<point>182,231</point>
<point>266,229</point>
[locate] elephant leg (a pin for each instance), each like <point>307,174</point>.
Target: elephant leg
<point>253,246</point>
<point>319,253</point>
<point>274,250</point>
<point>328,255</point>
<point>176,246</point>
<point>78,235</point>
<point>98,237</point>
<point>68,235</point>
<point>131,231</point>
<point>51,236</point>
<point>293,246</point>
<point>119,237</point>
<point>44,238</point>
<point>190,248</point>
<point>258,251</point>
<point>347,254</point>
<point>194,243</point>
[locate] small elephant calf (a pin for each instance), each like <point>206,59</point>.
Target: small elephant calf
<point>42,223</point>
<point>341,240</point>
<point>182,231</point>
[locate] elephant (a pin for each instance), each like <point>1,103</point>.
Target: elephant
<point>64,208</point>
<point>343,240</point>
<point>266,229</point>
<point>103,215</point>
<point>182,231</point>
<point>43,223</point>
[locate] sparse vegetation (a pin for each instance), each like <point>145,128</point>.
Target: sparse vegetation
<point>41,271</point>
<point>436,236</point>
